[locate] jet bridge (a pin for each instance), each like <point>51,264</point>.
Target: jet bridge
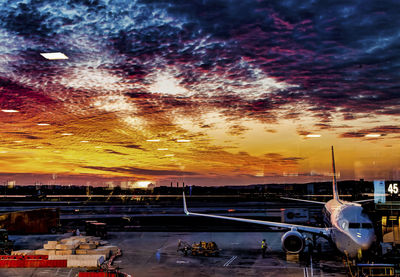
<point>385,211</point>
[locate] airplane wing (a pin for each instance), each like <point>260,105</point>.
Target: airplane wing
<point>300,228</point>
<point>304,200</point>
<point>363,201</point>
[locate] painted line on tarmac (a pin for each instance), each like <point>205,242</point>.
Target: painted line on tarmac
<point>305,272</point>
<point>230,261</point>
<point>182,262</point>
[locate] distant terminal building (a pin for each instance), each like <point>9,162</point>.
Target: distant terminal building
<point>11,184</point>
<point>109,185</point>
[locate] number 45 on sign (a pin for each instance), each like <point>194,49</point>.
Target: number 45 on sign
<point>393,188</point>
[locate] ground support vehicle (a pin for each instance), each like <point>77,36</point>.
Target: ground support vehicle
<point>202,248</point>
<point>97,229</point>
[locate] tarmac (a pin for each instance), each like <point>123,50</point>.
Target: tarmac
<point>152,254</point>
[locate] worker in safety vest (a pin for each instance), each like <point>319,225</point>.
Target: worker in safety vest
<point>359,254</point>
<point>264,247</point>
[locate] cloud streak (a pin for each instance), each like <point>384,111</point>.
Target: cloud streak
<point>141,171</point>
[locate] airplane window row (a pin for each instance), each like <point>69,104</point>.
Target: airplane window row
<point>362,225</point>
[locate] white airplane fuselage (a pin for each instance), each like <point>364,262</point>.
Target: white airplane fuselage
<point>351,228</point>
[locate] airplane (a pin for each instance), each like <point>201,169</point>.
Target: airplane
<point>347,226</point>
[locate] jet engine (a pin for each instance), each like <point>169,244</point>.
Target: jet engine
<point>293,242</point>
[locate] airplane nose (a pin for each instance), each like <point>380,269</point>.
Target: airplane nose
<point>366,245</point>
<point>364,240</point>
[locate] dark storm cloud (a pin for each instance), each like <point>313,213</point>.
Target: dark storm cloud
<point>388,129</point>
<point>15,96</point>
<point>31,18</point>
<point>133,146</point>
<point>114,152</point>
<point>353,135</point>
<point>141,171</point>
<point>303,132</point>
<point>81,179</point>
<point>32,137</point>
<point>237,130</point>
<point>379,130</point>
<point>323,126</point>
<point>24,135</point>
<point>282,160</point>
<point>337,55</point>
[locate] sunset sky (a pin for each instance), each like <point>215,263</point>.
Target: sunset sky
<point>202,92</point>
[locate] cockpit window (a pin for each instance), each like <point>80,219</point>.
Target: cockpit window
<point>354,225</point>
<point>367,225</point>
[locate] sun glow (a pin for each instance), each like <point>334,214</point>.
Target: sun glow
<point>142,184</point>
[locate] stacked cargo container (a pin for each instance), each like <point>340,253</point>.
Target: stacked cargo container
<point>76,251</point>
<point>90,261</point>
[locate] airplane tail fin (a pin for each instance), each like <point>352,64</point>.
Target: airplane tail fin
<point>334,184</point>
<point>184,204</point>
